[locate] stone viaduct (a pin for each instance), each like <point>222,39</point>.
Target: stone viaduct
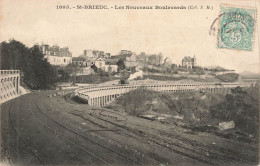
<point>102,95</point>
<point>10,84</point>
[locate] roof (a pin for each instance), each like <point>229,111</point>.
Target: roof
<point>123,57</point>
<point>78,59</point>
<point>111,61</point>
<point>58,51</point>
<point>187,59</point>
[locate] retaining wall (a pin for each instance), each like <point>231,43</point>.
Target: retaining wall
<point>102,95</point>
<point>10,84</point>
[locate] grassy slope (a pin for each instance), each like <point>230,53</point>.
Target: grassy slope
<point>230,77</point>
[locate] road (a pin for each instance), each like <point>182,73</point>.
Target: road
<point>41,130</point>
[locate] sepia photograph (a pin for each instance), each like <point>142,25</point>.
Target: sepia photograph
<point>130,82</point>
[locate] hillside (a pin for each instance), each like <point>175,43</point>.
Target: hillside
<point>197,111</point>
<point>230,77</point>
<point>249,75</point>
<point>193,107</point>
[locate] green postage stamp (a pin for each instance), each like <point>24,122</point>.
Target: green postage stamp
<point>236,28</point>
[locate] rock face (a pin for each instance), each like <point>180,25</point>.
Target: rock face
<point>226,125</point>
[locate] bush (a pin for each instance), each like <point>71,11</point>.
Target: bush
<point>79,100</point>
<point>133,102</point>
<point>241,107</point>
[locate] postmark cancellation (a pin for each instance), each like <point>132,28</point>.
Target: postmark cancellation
<point>236,28</point>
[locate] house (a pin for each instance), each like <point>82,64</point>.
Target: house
<point>111,68</point>
<point>89,62</point>
<point>100,63</point>
<point>141,57</point>
<point>95,54</point>
<point>131,61</point>
<point>88,53</point>
<point>189,62</point>
<point>83,62</point>
<point>78,61</point>
<point>125,52</point>
<point>131,58</point>
<point>56,55</point>
<point>111,65</point>
<point>154,59</point>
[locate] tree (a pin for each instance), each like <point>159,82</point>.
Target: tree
<point>72,69</point>
<point>94,67</point>
<point>109,69</point>
<point>13,55</point>
<point>230,98</point>
<point>124,76</point>
<point>121,65</point>
<point>38,73</point>
<point>237,90</point>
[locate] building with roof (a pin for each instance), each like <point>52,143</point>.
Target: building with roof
<point>125,52</point>
<point>189,62</point>
<point>95,54</point>
<point>111,68</point>
<point>154,59</point>
<point>131,61</point>
<point>142,57</point>
<point>111,65</point>
<point>56,55</point>
<point>100,63</point>
<point>89,53</point>
<point>78,61</point>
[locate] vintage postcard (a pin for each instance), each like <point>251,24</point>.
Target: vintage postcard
<point>130,82</point>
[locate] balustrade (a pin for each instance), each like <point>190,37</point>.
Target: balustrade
<point>10,83</point>
<point>102,95</point>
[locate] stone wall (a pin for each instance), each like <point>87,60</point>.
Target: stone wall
<point>10,84</point>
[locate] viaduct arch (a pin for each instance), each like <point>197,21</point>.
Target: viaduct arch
<point>10,84</point>
<point>102,95</point>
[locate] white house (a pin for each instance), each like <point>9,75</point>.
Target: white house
<point>131,61</point>
<point>111,68</point>
<point>189,62</point>
<point>56,55</point>
<point>100,63</point>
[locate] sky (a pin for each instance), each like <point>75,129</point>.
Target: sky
<point>174,33</point>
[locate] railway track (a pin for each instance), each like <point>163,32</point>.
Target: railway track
<point>180,149</point>
<point>82,136</point>
<point>211,154</point>
<point>104,128</point>
<point>26,142</point>
<point>68,140</point>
